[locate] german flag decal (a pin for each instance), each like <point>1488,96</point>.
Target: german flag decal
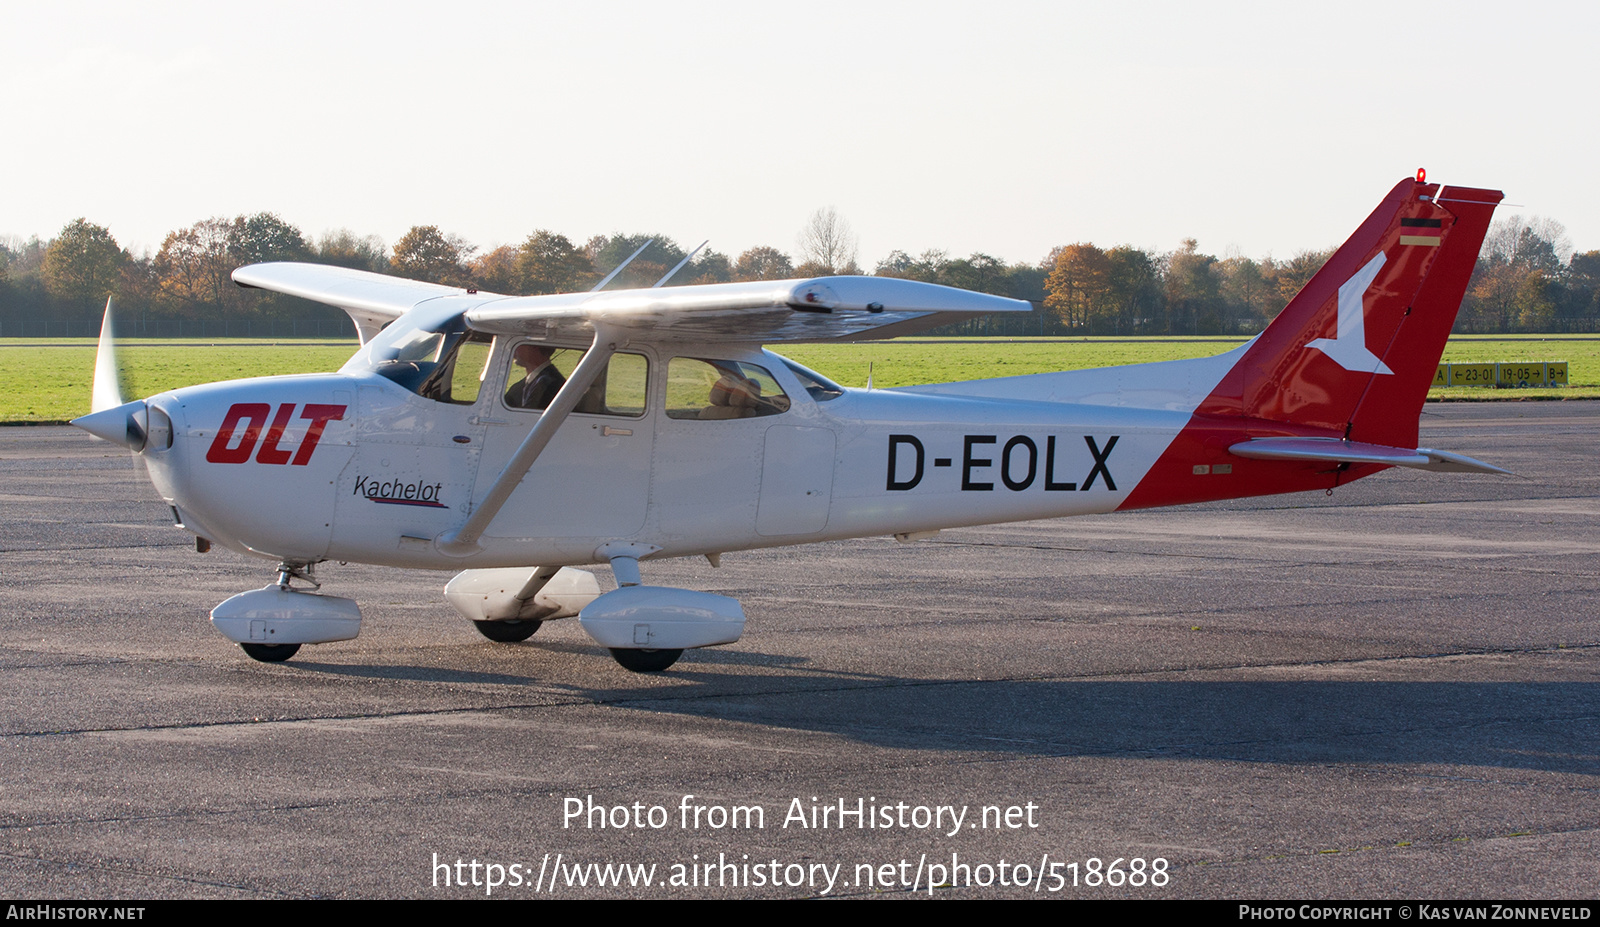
<point>1420,225</point>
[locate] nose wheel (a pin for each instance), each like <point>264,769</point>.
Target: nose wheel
<point>271,623</point>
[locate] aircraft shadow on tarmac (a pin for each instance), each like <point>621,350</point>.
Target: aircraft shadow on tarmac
<point>403,673</point>
<point>1531,726</point>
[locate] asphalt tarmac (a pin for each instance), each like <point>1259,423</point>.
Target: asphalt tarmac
<point>1392,692</point>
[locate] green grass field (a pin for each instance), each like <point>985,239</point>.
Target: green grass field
<point>50,382</point>
<point>906,364</point>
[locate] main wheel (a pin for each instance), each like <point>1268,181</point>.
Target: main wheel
<point>271,653</point>
<point>508,632</point>
<point>645,661</point>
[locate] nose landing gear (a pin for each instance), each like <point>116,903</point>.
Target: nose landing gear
<point>271,623</point>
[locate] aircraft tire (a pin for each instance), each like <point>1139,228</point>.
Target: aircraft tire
<point>645,661</point>
<point>510,631</point>
<point>270,653</point>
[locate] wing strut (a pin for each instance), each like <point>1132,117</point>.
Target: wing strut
<point>618,269</point>
<point>463,541</point>
<point>686,259</point>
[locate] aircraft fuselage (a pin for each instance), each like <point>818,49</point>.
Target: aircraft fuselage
<point>353,466</point>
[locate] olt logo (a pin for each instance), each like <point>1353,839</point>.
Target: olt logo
<point>254,416</point>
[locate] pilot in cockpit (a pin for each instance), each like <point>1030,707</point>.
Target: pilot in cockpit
<point>541,381</point>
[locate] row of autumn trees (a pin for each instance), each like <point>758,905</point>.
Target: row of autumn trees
<point>1522,283</point>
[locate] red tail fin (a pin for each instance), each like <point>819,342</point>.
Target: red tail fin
<point>1356,349</point>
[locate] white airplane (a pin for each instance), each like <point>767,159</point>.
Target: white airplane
<point>515,438</point>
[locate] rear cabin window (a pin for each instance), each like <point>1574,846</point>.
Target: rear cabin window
<point>718,389</point>
<point>816,385</point>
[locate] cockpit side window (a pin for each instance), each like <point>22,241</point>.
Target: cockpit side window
<point>721,389</point>
<point>538,371</point>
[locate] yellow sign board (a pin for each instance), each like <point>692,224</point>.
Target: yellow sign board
<point>1521,374</point>
<point>1472,375</point>
<point>1511,374</point>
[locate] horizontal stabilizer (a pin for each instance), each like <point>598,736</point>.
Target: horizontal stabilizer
<point>1335,450</point>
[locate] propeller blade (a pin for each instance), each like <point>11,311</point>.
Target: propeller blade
<point>107,392</point>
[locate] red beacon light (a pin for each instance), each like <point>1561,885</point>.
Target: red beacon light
<point>1422,175</point>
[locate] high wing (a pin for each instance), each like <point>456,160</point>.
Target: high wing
<point>818,309</point>
<point>371,300</point>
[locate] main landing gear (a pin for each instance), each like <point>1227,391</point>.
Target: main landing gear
<point>647,628</point>
<point>645,661</point>
<point>508,631</point>
<point>270,653</point>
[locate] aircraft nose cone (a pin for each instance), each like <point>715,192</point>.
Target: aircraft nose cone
<point>124,424</point>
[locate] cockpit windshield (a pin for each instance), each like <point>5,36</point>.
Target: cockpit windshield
<point>426,361</point>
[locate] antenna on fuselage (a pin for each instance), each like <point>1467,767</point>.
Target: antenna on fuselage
<point>686,260</point>
<point>869,374</point>
<point>609,277</point>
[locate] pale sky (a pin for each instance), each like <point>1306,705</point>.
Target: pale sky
<point>1003,127</point>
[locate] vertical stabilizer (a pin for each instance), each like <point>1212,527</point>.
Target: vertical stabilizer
<point>1346,364</point>
<point>1355,351</point>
